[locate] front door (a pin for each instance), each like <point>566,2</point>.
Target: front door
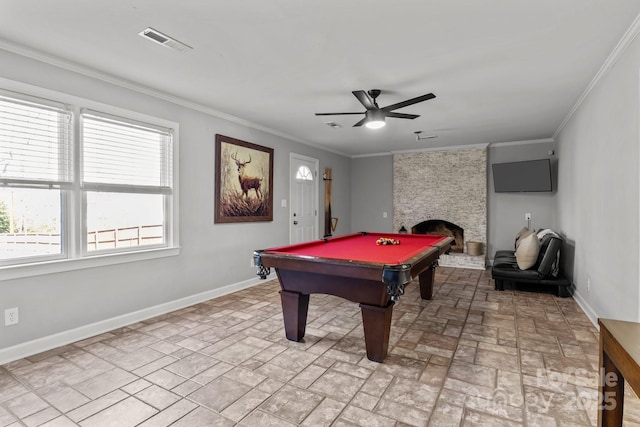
<point>304,199</point>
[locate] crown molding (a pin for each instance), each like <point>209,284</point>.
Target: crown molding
<point>611,60</point>
<point>527,141</point>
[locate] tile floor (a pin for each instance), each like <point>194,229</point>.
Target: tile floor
<point>472,356</point>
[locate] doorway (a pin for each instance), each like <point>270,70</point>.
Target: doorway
<point>303,187</point>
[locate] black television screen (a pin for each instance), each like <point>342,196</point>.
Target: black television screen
<point>528,176</point>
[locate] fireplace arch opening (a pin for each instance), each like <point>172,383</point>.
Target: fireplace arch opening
<point>444,228</point>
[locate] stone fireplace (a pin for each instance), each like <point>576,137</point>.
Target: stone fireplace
<point>448,187</point>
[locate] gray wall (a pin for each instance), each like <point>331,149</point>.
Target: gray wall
<point>507,210</point>
<point>597,200</point>
<point>372,194</point>
<point>212,256</point>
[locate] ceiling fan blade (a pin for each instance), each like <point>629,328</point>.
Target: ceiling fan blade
<point>408,102</point>
<point>401,115</point>
<point>360,123</point>
<point>336,114</point>
<point>365,99</point>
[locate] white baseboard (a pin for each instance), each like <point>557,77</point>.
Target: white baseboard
<point>591,314</point>
<point>39,345</point>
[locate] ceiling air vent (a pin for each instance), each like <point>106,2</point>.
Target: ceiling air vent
<point>163,39</point>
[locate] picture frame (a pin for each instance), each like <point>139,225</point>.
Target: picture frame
<point>243,181</point>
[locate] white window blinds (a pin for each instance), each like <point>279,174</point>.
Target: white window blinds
<point>124,155</point>
<point>35,142</point>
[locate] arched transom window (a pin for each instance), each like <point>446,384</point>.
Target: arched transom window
<point>304,173</point>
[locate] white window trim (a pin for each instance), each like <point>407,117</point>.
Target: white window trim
<point>71,243</point>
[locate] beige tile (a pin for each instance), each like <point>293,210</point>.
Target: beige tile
<point>474,374</point>
<point>208,375</point>
<point>244,405</point>
<point>6,417</point>
<point>128,412</point>
<point>308,376</point>
<point>105,383</point>
<point>97,405</point>
<point>471,356</point>
<point>263,419</point>
<point>434,375</point>
<point>165,379</point>
<point>25,404</point>
<point>481,419</point>
<point>360,417</point>
<point>445,415</point>
<point>411,393</point>
<point>157,397</point>
<point>406,415</point>
<point>136,386</point>
<point>186,388</point>
<point>219,393</point>
<point>203,417</point>
<point>60,421</point>
<point>337,385</point>
<point>365,401</point>
<point>42,417</point>
<point>291,403</point>
<point>245,376</point>
<point>154,365</point>
<point>63,397</point>
<point>170,414</point>
<point>324,414</point>
<point>191,365</point>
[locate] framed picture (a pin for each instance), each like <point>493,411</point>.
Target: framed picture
<point>243,182</point>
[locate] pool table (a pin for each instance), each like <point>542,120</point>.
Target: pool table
<point>358,269</point>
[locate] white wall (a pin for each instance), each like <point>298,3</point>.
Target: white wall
<point>597,199</point>
<point>212,256</point>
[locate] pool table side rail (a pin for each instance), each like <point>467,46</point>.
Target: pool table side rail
<point>348,268</point>
<point>333,266</point>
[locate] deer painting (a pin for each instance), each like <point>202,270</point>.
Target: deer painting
<point>246,182</point>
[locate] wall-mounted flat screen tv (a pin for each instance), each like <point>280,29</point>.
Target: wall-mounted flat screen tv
<point>527,176</point>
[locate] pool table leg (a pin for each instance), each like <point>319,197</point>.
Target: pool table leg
<point>294,310</point>
<point>426,282</point>
<point>377,327</point>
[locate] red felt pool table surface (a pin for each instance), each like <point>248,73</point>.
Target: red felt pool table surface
<point>363,247</point>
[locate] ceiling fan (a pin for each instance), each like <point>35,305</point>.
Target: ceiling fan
<point>374,115</point>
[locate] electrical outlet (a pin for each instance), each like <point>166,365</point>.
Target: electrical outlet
<point>527,217</point>
<point>11,316</point>
<point>384,214</point>
<point>251,264</point>
<point>588,284</point>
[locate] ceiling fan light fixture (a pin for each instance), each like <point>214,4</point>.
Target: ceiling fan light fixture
<point>375,119</point>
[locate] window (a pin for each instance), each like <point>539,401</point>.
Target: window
<point>35,169</point>
<point>105,189</point>
<point>126,174</point>
<point>304,173</point>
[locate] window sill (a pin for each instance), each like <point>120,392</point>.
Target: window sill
<point>60,266</point>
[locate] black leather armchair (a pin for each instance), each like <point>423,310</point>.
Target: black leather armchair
<point>505,268</point>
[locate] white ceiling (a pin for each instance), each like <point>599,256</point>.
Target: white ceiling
<point>502,70</point>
